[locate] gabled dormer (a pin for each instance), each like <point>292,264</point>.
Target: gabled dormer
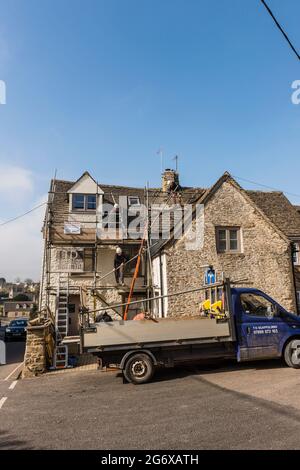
<point>85,194</point>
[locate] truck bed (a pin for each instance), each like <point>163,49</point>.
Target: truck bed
<point>121,334</point>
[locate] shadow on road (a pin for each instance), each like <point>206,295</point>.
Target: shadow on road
<point>9,442</point>
<point>275,408</point>
<point>214,367</point>
<point>15,352</point>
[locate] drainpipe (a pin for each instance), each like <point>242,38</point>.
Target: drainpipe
<point>161,287</point>
<point>293,249</point>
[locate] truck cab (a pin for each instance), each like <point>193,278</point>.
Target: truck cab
<point>264,329</point>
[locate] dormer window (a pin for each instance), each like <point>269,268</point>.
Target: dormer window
<point>133,201</point>
<point>84,202</point>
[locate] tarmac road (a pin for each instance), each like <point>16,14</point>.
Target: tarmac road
<point>256,406</point>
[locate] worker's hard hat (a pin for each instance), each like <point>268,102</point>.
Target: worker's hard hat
<point>118,250</point>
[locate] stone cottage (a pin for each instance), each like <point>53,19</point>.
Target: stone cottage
<point>249,236</point>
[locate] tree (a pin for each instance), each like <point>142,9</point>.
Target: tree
<point>21,298</point>
<point>28,281</point>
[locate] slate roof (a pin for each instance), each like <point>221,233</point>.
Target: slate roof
<point>275,206</point>
<point>279,210</point>
<point>112,193</point>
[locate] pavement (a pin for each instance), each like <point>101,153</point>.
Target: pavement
<point>219,406</point>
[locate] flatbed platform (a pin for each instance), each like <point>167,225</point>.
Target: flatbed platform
<point>119,334</point>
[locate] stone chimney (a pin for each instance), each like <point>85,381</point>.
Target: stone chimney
<point>170,180</point>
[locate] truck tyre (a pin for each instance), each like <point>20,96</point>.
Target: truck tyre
<point>292,353</point>
<point>139,369</point>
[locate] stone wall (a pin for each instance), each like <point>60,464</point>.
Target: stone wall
<point>39,349</point>
<point>264,261</point>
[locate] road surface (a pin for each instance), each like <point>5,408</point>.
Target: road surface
<point>254,406</point>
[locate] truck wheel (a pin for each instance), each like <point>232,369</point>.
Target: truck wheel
<point>138,369</point>
<point>292,354</point>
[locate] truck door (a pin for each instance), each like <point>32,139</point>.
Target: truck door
<point>260,327</point>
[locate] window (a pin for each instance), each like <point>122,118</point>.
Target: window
<point>133,201</point>
<point>228,239</point>
<point>89,259</point>
<point>130,251</point>
<point>84,202</point>
<point>70,259</point>
<point>295,248</point>
<point>78,201</point>
<point>111,219</point>
<point>18,323</point>
<point>254,304</point>
<point>91,202</point>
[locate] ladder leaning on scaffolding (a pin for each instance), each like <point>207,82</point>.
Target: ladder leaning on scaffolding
<point>61,321</point>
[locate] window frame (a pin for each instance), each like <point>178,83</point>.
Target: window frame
<point>89,255</point>
<point>227,230</point>
<point>134,205</point>
<point>85,202</point>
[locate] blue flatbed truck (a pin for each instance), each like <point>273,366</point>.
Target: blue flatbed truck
<point>253,326</point>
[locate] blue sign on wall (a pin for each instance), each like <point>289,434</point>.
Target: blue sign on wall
<point>210,276</point>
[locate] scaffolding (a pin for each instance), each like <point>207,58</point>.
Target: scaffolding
<point>92,292</point>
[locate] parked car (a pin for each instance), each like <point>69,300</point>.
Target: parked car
<point>16,329</point>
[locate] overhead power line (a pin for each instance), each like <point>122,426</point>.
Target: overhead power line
<point>22,215</point>
<point>280,28</point>
<point>265,186</point>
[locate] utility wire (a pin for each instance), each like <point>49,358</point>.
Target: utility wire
<point>234,176</point>
<point>22,215</point>
<point>280,28</point>
<point>265,186</point>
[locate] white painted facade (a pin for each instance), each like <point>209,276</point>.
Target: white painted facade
<point>160,284</point>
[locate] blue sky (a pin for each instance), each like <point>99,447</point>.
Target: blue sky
<point>102,84</point>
